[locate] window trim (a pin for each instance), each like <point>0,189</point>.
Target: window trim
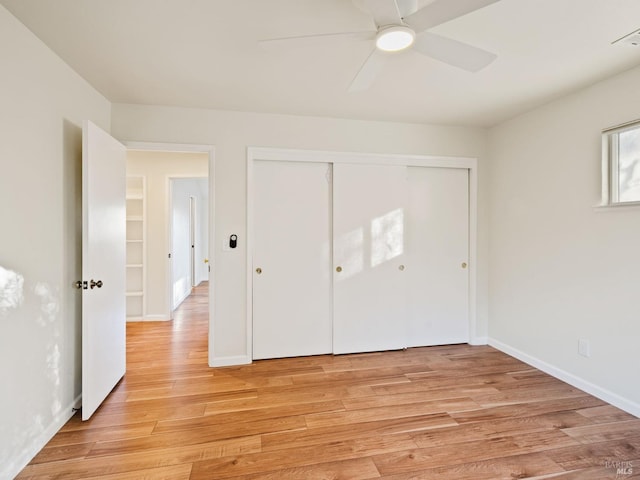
<point>610,151</point>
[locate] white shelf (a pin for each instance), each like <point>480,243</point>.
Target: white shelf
<point>136,271</point>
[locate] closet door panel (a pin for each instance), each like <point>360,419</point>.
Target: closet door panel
<point>369,217</point>
<point>438,249</point>
<point>291,259</point>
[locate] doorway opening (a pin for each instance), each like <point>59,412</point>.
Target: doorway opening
<point>170,247</point>
<point>188,221</point>
<point>192,239</point>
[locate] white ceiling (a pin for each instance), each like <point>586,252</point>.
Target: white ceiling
<point>205,53</point>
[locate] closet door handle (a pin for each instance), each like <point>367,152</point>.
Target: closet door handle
<point>338,269</point>
<point>258,270</point>
<point>94,284</point>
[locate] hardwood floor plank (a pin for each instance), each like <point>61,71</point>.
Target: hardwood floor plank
<point>386,412</point>
<point>442,381</point>
<point>603,432</point>
<point>102,434</point>
<point>141,460</point>
<point>397,399</point>
<point>527,409</point>
<point>406,461</point>
<point>358,469</point>
<point>482,431</point>
<point>449,412</point>
<point>321,435</point>
<point>174,472</point>
<point>214,421</point>
<point>598,454</point>
<point>605,414</point>
<point>130,417</point>
<point>508,468</point>
<point>372,375</point>
<point>594,473</point>
<point>53,453</point>
<point>196,436</point>
<point>285,459</point>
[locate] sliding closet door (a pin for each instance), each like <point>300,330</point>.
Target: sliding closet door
<point>291,259</point>
<point>438,250</point>
<point>369,216</point>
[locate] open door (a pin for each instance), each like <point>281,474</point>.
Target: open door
<point>103,266</point>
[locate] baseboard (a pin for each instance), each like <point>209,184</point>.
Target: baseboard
<point>184,296</point>
<point>603,394</point>
<point>230,361</point>
<point>149,318</point>
<point>156,318</point>
<point>479,341</point>
<point>18,463</point>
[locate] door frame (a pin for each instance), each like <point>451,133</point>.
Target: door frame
<point>211,151</point>
<point>192,239</point>
<point>256,154</point>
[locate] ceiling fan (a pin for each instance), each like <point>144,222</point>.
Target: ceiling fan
<point>402,25</point>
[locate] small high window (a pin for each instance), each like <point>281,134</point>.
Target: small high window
<point>621,165</point>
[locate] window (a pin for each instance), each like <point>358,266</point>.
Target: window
<point>621,165</point>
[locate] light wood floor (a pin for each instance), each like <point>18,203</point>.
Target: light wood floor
<point>454,412</point>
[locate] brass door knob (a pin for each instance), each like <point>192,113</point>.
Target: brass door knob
<point>338,269</point>
<point>401,268</point>
<point>464,264</point>
<point>258,270</point>
<point>94,284</point>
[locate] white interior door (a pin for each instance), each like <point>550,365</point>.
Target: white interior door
<point>369,257</point>
<point>291,259</point>
<point>103,266</point>
<point>438,250</point>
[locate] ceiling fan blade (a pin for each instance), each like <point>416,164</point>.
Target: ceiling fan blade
<point>441,11</point>
<point>385,12</point>
<point>310,40</point>
<point>407,7</point>
<point>453,52</point>
<point>368,71</point>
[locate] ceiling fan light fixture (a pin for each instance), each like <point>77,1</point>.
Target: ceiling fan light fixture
<point>395,38</point>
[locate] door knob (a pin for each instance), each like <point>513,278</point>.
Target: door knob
<point>338,269</point>
<point>401,267</point>
<point>94,284</point>
<point>258,270</point>
<point>464,265</point>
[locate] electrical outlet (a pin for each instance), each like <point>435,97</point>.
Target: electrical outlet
<point>584,347</point>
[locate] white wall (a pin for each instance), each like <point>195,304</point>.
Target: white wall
<point>158,168</point>
<point>233,132</point>
<point>562,270</point>
<point>182,190</point>
<point>43,105</point>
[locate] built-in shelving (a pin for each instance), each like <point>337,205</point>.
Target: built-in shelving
<point>135,248</point>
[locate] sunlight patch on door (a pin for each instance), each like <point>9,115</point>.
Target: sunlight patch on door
<point>11,290</point>
<point>387,237</point>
